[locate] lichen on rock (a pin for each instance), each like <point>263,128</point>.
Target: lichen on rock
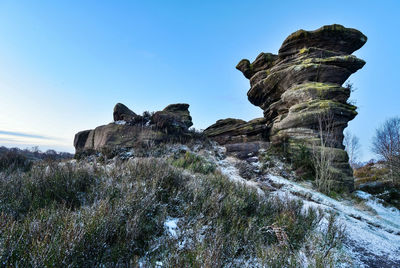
<point>303,83</point>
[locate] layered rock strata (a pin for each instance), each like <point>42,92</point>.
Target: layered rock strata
<point>230,130</point>
<point>240,138</point>
<point>300,90</point>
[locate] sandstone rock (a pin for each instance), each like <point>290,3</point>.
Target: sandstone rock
<point>174,118</point>
<point>262,62</point>
<point>302,86</point>
<point>80,139</point>
<point>117,136</point>
<point>330,37</point>
<point>246,150</point>
<point>130,130</point>
<point>232,130</point>
<point>121,112</point>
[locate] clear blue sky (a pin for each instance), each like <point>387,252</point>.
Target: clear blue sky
<point>64,64</point>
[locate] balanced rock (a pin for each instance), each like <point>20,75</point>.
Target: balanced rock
<point>174,118</point>
<point>123,113</point>
<point>300,90</point>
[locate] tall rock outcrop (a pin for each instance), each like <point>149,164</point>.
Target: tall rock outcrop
<point>300,90</point>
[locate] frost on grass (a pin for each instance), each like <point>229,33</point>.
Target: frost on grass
<point>184,208</point>
<point>227,168</point>
<point>371,239</point>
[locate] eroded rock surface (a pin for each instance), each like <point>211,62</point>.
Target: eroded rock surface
<point>121,112</point>
<point>130,130</point>
<point>174,117</point>
<point>300,90</point>
<point>230,130</point>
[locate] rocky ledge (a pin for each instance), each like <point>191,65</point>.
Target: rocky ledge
<point>131,130</point>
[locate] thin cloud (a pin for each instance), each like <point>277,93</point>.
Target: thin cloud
<point>24,139</point>
<point>7,140</point>
<point>25,135</point>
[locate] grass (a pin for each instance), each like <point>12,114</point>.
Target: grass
<point>194,163</point>
<point>11,161</point>
<point>88,215</point>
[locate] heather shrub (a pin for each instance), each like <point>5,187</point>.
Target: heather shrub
<point>97,215</point>
<point>194,163</point>
<point>44,186</point>
<point>12,161</point>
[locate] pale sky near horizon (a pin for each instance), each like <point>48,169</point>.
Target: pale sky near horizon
<point>65,64</point>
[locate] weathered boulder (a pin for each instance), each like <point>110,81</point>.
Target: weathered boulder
<point>181,111</point>
<point>131,130</point>
<point>301,92</point>
<point>123,113</point>
<point>174,118</point>
<point>230,130</point>
<point>116,136</point>
<point>330,37</point>
<point>80,139</point>
<point>246,150</point>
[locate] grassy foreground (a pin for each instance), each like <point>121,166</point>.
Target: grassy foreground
<point>85,214</point>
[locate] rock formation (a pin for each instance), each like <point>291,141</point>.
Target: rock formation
<point>305,81</point>
<point>131,130</point>
<point>300,91</point>
<point>230,130</point>
<point>123,113</point>
<point>240,138</point>
<point>174,117</point>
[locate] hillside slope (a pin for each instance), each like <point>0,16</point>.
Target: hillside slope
<point>186,206</point>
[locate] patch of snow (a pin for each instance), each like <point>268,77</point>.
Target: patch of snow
<point>120,122</point>
<point>373,240</point>
<point>181,244</point>
<point>303,258</point>
<point>390,215</point>
<point>171,225</point>
<point>129,154</point>
<point>227,168</point>
<point>126,155</point>
<point>47,170</point>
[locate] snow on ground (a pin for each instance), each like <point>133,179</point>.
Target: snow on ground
<point>120,122</point>
<point>171,225</point>
<point>227,168</point>
<point>372,230</point>
<point>373,235</point>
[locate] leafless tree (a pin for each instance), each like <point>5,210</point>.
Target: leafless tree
<point>322,153</point>
<point>352,147</point>
<point>386,144</point>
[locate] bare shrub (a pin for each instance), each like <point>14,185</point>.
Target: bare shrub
<point>352,147</point>
<point>322,152</point>
<point>386,144</point>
